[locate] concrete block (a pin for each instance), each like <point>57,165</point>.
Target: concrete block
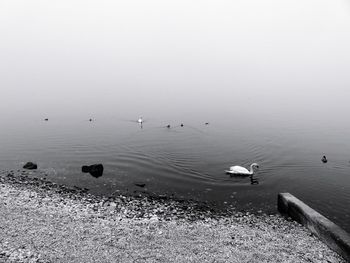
<point>331,234</point>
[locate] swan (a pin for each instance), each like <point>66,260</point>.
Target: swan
<point>140,120</point>
<point>239,170</point>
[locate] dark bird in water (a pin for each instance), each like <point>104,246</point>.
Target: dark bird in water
<point>168,126</point>
<point>182,125</point>
<point>90,119</point>
<point>324,159</point>
<point>207,123</point>
<point>46,119</point>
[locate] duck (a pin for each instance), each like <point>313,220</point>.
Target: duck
<point>324,159</point>
<point>239,170</point>
<point>182,125</point>
<point>140,120</point>
<point>168,126</point>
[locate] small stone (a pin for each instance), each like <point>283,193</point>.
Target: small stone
<point>154,219</point>
<point>30,166</point>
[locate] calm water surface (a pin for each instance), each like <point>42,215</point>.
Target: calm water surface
<point>189,161</point>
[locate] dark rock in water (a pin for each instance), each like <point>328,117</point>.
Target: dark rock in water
<point>96,170</point>
<point>30,166</point>
<point>85,168</point>
<point>140,184</point>
<point>324,159</point>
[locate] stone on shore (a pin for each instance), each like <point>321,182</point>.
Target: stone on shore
<point>41,221</point>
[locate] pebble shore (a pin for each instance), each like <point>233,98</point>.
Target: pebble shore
<point>41,221</point>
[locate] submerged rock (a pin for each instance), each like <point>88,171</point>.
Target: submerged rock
<point>85,168</point>
<point>139,184</point>
<point>96,170</point>
<point>30,166</point>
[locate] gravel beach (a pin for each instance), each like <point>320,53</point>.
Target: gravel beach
<point>44,222</point>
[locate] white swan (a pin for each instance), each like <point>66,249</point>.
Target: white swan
<point>239,170</point>
<point>140,120</point>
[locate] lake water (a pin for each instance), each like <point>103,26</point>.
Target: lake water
<point>189,161</point>
<point>270,77</point>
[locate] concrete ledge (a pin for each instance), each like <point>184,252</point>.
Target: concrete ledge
<point>331,234</point>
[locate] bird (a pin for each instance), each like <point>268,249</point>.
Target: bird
<point>168,126</point>
<point>182,125</point>
<point>90,119</point>
<point>46,119</point>
<point>207,123</point>
<point>324,159</point>
<point>140,120</point>
<point>239,170</point>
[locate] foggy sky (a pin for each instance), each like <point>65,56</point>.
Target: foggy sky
<point>142,56</point>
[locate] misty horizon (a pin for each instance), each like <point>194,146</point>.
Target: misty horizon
<point>134,58</point>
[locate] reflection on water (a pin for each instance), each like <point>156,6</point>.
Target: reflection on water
<point>188,160</point>
<point>253,180</point>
